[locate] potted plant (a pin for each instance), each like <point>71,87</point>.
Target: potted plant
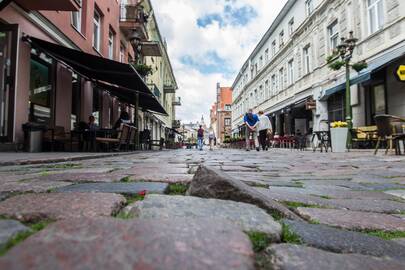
<point>339,133</point>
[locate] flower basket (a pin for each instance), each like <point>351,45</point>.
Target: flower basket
<point>339,133</point>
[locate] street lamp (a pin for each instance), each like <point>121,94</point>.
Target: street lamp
<point>345,50</point>
<point>135,40</point>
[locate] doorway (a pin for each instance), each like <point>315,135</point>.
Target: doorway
<point>8,56</point>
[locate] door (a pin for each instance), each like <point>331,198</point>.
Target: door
<point>8,56</point>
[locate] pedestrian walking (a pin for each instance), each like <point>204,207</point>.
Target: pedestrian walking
<point>200,138</point>
<point>264,127</point>
<point>252,121</point>
<point>211,139</point>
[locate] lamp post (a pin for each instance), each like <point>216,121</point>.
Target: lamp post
<point>135,41</point>
<point>345,50</point>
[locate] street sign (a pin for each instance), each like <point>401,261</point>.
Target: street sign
<point>401,73</point>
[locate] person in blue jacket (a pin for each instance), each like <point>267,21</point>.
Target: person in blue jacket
<point>251,121</point>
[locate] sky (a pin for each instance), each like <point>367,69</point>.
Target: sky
<point>208,42</point>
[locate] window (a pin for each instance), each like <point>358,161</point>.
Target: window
<point>228,107</point>
<point>333,35</point>
<point>291,71</point>
<point>76,92</point>
<point>227,122</point>
<point>309,7</point>
<point>77,17</point>
<point>261,62</point>
<point>122,53</point>
<point>111,38</point>
<point>261,93</point>
<point>281,38</point>
<point>267,89</point>
<point>273,48</point>
<point>291,27</point>
<point>266,55</point>
<point>307,59</point>
<point>281,78</point>
<point>96,30</point>
<point>375,15</point>
<point>273,85</point>
<point>336,110</point>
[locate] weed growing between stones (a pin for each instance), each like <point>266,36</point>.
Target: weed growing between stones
<point>299,183</point>
<point>258,185</point>
<point>387,235</point>
<point>294,205</point>
<point>125,179</point>
<point>19,237</point>
<point>326,197</point>
<point>260,241</point>
<point>63,166</point>
<point>287,236</point>
<point>177,189</point>
<point>124,215</point>
<point>134,198</point>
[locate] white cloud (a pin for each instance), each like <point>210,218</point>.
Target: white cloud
<point>178,23</point>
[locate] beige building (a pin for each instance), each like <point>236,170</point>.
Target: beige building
<point>287,75</point>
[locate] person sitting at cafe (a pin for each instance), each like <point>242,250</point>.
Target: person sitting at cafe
<point>92,126</point>
<point>124,119</point>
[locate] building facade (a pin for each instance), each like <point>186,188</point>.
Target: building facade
<point>37,86</point>
<point>288,77</point>
<point>221,114</point>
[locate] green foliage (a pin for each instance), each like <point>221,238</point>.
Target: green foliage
<point>125,179</point>
<point>359,66</point>
<point>143,70</point>
<point>63,166</point>
<point>259,240</point>
<point>336,65</point>
<point>332,57</point>
<point>287,236</point>
<point>177,189</point>
<point>123,215</point>
<point>19,237</point>
<point>134,198</point>
<point>299,204</point>
<point>387,235</point>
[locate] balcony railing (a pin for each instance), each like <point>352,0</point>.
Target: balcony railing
<point>133,17</point>
<point>169,88</point>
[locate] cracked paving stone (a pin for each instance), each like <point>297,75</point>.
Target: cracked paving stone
<point>160,244</point>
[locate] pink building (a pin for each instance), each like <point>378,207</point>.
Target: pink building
<point>44,81</point>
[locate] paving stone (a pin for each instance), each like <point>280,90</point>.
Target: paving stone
<point>9,229</point>
<point>400,241</point>
<point>32,207</point>
<point>162,177</point>
<point>83,177</point>
<point>295,257</point>
<point>212,183</point>
<point>107,243</point>
<point>342,241</point>
<point>123,188</point>
<point>353,220</point>
<point>248,216</point>
<point>32,185</point>
<point>397,193</point>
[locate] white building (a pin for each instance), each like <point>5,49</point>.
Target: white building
<point>288,71</point>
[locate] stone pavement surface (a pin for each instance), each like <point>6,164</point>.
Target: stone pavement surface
<point>10,228</point>
<point>248,216</point>
<point>347,193</point>
<point>107,243</point>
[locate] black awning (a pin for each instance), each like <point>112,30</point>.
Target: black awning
<point>92,66</point>
<point>120,79</point>
<point>146,101</point>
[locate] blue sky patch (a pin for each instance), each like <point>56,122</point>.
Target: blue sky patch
<point>230,16</point>
<point>213,63</point>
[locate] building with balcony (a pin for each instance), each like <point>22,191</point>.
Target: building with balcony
<point>221,114</point>
<point>65,60</point>
<point>287,75</point>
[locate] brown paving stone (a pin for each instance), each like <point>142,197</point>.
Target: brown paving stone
<point>353,220</point>
<point>31,207</point>
<point>107,243</point>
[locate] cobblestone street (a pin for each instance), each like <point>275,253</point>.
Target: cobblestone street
<point>279,209</point>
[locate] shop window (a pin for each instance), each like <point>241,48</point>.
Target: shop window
<point>41,92</point>
<point>97,105</point>
<point>336,107</point>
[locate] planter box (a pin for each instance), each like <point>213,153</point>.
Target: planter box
<point>339,139</point>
